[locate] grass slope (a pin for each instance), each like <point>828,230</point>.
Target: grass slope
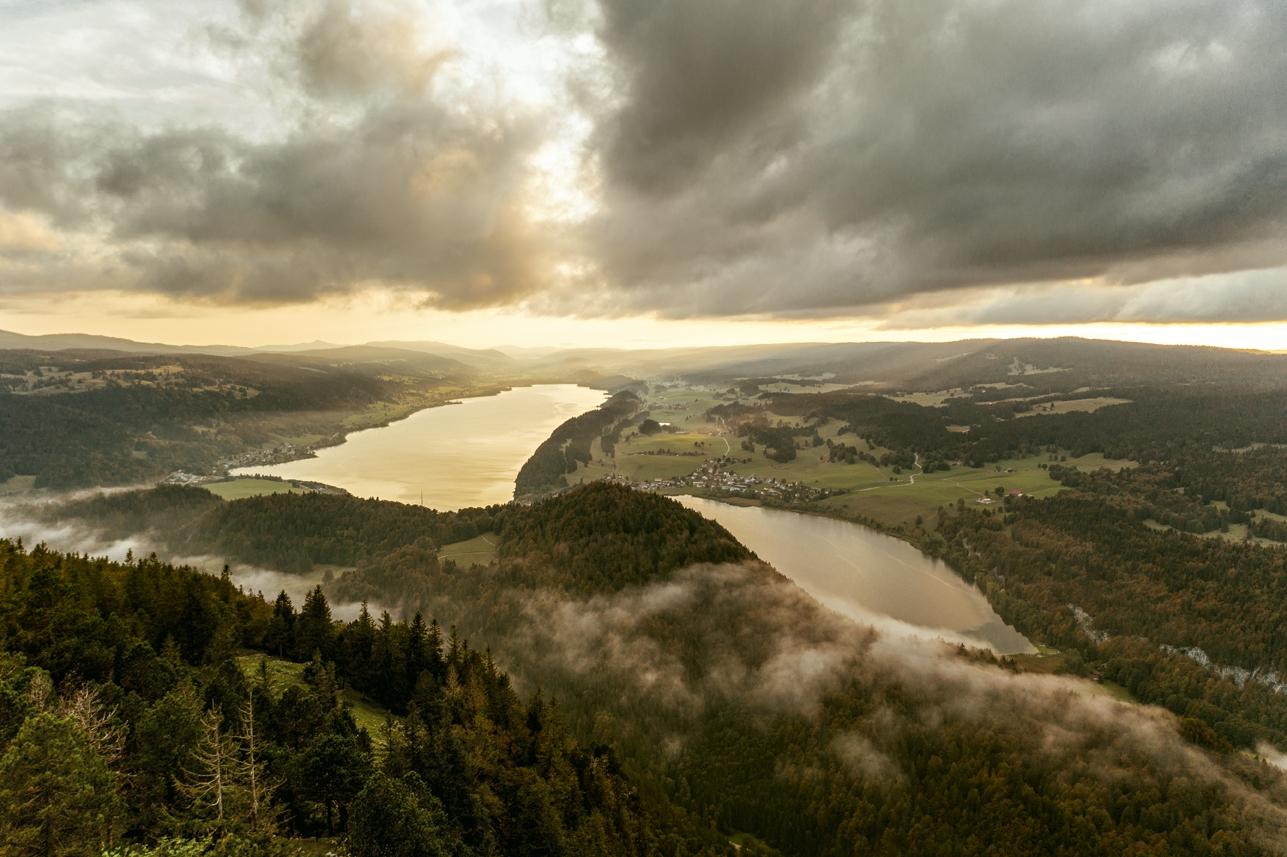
<point>283,674</point>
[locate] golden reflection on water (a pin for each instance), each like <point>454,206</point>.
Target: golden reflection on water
<point>455,456</point>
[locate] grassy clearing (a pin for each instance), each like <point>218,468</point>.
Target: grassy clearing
<point>248,486</point>
<point>17,485</point>
<point>480,550</point>
<point>683,407</point>
<point>1236,534</point>
<point>929,400</point>
<point>639,467</point>
<point>1088,406</point>
<point>745,841</point>
<point>888,510</point>
<point>660,456</point>
<point>1050,662</point>
<point>672,442</point>
<point>283,674</point>
<point>893,503</point>
<point>1097,461</point>
<point>810,467</point>
<point>1116,691</point>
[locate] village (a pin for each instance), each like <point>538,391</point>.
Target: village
<point>277,454</point>
<point>712,478</point>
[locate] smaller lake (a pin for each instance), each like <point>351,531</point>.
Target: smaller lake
<point>454,456</point>
<point>865,575</point>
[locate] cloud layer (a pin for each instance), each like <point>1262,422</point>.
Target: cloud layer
<point>375,178</point>
<point>931,145</point>
<point>1006,160</point>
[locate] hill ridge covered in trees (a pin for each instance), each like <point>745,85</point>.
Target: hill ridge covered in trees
<point>124,718</point>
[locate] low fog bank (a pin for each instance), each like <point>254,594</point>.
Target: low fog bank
<point>740,636</point>
<point>37,522</point>
<point>736,653</point>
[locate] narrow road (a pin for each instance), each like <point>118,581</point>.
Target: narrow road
<point>723,427</point>
<point>911,477</point>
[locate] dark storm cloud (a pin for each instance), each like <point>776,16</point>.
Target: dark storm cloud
<point>38,163</point>
<point>777,157</point>
<point>699,76</point>
<point>408,194</point>
<point>392,186</point>
<point>939,145</point>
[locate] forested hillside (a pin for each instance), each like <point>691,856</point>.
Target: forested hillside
<point>728,692</point>
<point>125,717</point>
<point>1083,573</point>
<point>569,445</point>
<point>76,418</point>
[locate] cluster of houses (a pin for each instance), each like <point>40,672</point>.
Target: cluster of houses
<point>711,477</point>
<point>269,455</point>
<point>181,477</point>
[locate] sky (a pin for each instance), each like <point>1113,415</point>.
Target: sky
<point>619,172</point>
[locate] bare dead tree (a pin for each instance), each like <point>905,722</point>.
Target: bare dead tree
<point>252,774</point>
<point>85,708</point>
<point>205,783</point>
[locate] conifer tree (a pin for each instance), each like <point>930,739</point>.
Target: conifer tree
<point>57,791</point>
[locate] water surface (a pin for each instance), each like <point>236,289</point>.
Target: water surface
<point>863,574</point>
<point>454,456</point>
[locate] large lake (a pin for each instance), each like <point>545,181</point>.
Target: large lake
<point>454,456</point>
<point>866,575</point>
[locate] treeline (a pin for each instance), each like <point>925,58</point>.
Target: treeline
<point>569,445</point>
<point>1196,421</point>
<point>126,718</point>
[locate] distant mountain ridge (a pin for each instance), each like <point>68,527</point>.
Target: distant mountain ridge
<point>94,342</point>
<point>1035,362</point>
<point>453,355</point>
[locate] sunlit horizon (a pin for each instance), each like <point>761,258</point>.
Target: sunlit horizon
<point>490,329</point>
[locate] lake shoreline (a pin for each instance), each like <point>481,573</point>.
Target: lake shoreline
<point>842,593</point>
<point>443,458</point>
<point>894,533</point>
<point>310,450</point>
